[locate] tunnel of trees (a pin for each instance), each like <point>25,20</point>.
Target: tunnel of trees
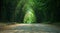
<point>30,11</point>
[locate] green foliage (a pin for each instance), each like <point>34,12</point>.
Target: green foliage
<point>40,10</point>
<point>29,12</point>
<point>29,16</point>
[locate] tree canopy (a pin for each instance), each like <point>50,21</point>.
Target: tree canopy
<point>29,11</point>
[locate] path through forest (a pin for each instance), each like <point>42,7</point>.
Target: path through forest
<point>31,28</point>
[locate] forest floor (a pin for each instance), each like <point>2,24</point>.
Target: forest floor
<point>29,28</point>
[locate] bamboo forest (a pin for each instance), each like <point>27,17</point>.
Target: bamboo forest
<point>30,11</point>
<point>30,16</point>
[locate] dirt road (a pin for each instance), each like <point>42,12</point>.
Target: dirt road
<point>31,28</point>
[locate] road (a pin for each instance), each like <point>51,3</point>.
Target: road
<point>31,28</point>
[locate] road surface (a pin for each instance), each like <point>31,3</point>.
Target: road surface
<point>31,28</point>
